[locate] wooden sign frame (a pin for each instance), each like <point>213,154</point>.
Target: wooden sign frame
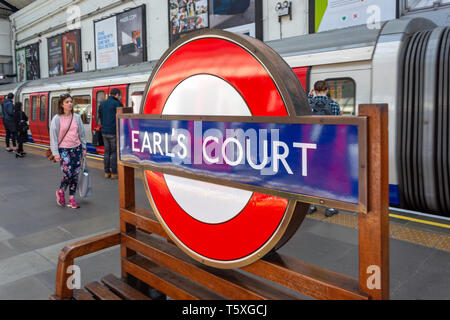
<point>373,227</point>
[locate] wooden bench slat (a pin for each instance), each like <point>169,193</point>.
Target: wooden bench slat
<point>80,294</point>
<point>167,281</point>
<point>305,278</point>
<point>143,219</point>
<point>230,283</point>
<point>122,289</point>
<point>100,292</point>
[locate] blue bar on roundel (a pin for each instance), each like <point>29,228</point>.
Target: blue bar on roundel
<point>306,159</point>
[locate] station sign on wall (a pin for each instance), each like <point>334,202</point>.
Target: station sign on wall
<point>231,15</point>
<point>27,63</point>
<point>121,39</point>
<point>327,15</point>
<point>228,158</point>
<point>64,53</point>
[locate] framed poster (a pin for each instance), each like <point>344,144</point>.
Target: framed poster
<point>55,56</point>
<point>21,64</point>
<point>32,61</point>
<point>106,43</point>
<point>131,36</point>
<point>186,16</point>
<point>71,50</point>
<point>242,16</point>
<point>337,14</point>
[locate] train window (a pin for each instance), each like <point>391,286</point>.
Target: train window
<point>136,98</point>
<point>34,105</point>
<point>82,106</point>
<point>99,98</point>
<point>26,107</point>
<point>55,105</point>
<point>42,110</point>
<point>343,91</point>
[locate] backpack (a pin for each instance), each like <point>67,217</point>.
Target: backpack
<point>320,108</point>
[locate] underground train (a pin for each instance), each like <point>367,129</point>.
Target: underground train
<point>405,64</point>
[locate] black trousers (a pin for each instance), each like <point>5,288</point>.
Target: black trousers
<point>110,156</point>
<point>11,135</point>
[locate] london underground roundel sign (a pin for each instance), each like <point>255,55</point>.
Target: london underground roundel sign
<point>222,74</point>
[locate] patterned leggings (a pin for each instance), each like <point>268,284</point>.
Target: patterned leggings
<point>70,167</point>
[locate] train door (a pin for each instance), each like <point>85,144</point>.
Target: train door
<point>26,110</point>
<point>34,117</point>
<point>2,127</point>
<point>99,94</point>
<point>43,118</point>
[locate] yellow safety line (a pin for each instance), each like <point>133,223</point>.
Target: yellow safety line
<point>420,221</point>
<point>44,148</point>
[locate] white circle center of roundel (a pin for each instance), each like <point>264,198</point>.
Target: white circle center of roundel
<point>209,96</point>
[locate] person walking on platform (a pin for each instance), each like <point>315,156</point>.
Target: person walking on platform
<point>322,104</point>
<point>107,115</point>
<point>22,128</point>
<point>9,121</point>
<point>68,145</point>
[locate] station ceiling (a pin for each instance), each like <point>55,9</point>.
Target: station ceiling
<point>8,7</point>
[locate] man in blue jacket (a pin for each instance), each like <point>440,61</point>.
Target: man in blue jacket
<point>9,121</point>
<point>107,115</point>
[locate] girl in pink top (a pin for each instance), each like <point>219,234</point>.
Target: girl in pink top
<point>67,129</point>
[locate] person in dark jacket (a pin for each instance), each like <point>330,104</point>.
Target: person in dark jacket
<point>107,115</point>
<point>9,121</point>
<point>22,128</point>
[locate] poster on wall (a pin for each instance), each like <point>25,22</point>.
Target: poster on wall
<point>21,64</point>
<point>236,16</point>
<point>131,37</point>
<point>337,14</point>
<point>186,16</point>
<point>32,61</point>
<point>71,51</point>
<point>55,56</point>
<point>106,43</point>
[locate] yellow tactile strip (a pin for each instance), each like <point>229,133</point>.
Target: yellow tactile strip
<point>397,231</point>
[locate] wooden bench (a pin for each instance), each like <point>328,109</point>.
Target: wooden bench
<point>163,266</point>
<point>149,257</point>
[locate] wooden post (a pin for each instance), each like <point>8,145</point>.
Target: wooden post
<point>374,226</point>
<point>127,197</point>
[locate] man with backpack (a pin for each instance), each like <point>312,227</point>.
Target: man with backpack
<point>322,105</point>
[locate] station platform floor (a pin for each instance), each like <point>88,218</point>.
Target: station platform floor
<point>33,230</point>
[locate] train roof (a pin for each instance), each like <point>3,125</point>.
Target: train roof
<point>343,45</point>
<point>123,74</point>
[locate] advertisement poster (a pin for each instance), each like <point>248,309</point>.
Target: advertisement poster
<point>106,43</point>
<point>131,36</point>
<point>337,14</point>
<point>234,15</point>
<point>55,57</point>
<point>186,16</point>
<point>32,61</point>
<point>71,49</point>
<point>21,63</point>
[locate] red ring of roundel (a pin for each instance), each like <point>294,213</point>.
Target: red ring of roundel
<point>253,227</point>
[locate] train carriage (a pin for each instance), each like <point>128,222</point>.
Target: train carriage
<point>404,63</point>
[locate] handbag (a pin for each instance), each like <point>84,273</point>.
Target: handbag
<point>84,181</point>
<point>48,152</point>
